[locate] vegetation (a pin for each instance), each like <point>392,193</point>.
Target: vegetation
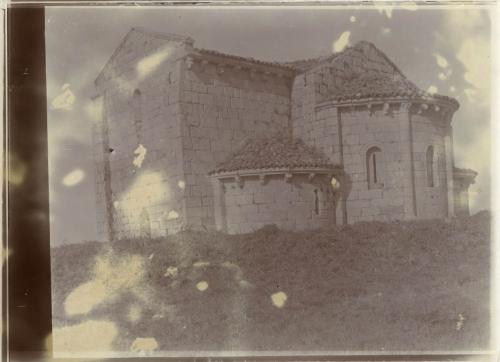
<point>403,286</point>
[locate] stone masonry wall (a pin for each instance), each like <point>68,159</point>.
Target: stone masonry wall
<point>220,110</point>
<point>146,199</point>
<point>345,136</point>
<point>361,130</point>
<point>289,206</point>
<point>100,154</point>
<point>429,130</point>
<point>311,88</point>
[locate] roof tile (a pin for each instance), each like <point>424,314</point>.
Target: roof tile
<point>274,152</point>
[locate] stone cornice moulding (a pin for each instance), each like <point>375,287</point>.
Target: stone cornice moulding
<point>414,105</point>
<point>263,173</point>
<point>247,65</point>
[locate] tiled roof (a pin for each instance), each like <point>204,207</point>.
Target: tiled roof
<point>373,85</point>
<point>274,152</point>
<point>464,176</point>
<point>465,172</point>
<point>379,85</point>
<point>244,59</point>
<point>306,64</point>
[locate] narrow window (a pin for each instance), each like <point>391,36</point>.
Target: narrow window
<point>373,169</point>
<point>145,225</point>
<point>316,202</point>
<point>430,166</point>
<point>137,112</point>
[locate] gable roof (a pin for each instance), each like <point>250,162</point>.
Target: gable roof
<point>360,47</point>
<point>274,152</point>
<point>374,85</point>
<point>369,84</point>
<point>381,85</point>
<point>359,86</point>
<point>243,59</point>
<point>141,32</point>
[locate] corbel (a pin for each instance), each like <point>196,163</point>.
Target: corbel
<point>253,73</point>
<point>386,108</point>
<point>239,181</point>
<point>423,107</point>
<point>189,62</point>
<point>204,64</point>
<point>220,69</point>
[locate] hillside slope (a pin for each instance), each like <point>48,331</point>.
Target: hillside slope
<point>405,286</point>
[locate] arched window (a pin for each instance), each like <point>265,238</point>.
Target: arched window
<point>316,202</point>
<point>145,225</point>
<point>429,158</point>
<point>137,112</point>
<point>374,168</point>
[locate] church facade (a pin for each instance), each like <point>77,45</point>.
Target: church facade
<point>194,138</point>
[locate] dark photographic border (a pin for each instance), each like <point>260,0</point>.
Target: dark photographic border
<point>26,298</point>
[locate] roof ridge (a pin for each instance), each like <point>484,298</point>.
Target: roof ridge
<point>243,58</point>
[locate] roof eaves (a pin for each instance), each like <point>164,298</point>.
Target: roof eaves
<point>216,53</point>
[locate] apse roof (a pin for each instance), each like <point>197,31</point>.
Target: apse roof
<point>274,152</point>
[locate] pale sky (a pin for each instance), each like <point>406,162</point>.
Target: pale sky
<point>447,50</point>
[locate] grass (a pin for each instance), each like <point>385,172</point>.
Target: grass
<point>404,286</point>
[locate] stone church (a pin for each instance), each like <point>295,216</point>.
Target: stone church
<point>194,138</point>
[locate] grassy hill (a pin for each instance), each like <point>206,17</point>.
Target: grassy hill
<point>404,286</point>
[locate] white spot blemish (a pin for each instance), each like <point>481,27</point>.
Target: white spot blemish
<point>94,109</point>
<point>111,275</point>
<point>150,257</point>
<point>473,54</point>
<point>201,264</point>
<point>85,297</point>
<point>116,204</point>
<point>352,19</point>
<point>411,6</point>
<point>386,31</point>
<point>90,336</point>
<point>181,184</point>
<point>341,42</point>
<point>140,154</point>
<point>387,10</point>
<point>73,178</point>
<point>171,272</point>
<point>149,189</point>
<point>452,89</point>
<point>432,89</point>
<point>335,183</point>
<point>460,322</point>
<point>471,94</point>
<point>279,299</point>
<point>143,345</point>
<point>245,284</point>
<point>134,313</point>
<point>17,170</point>
<point>158,316</point>
<point>150,63</point>
<point>202,286</point>
<point>441,61</point>
<point>172,215</point>
<point>64,100</point>
<point>5,254</point>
